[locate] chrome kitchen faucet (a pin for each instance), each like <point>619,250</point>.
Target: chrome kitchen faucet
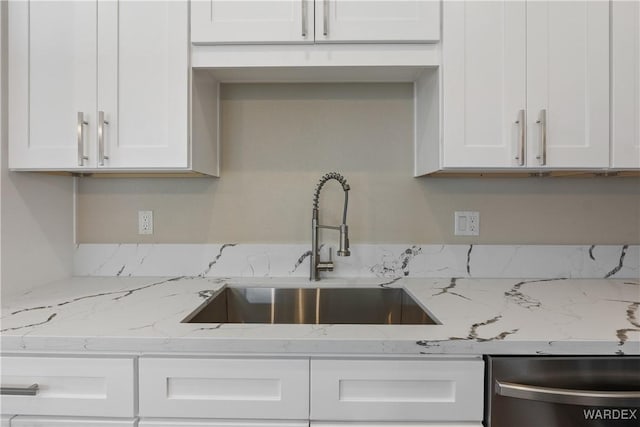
<point>316,265</point>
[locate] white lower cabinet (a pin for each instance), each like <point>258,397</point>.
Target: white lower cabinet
<point>392,424</point>
<point>216,423</point>
<point>241,392</point>
<point>27,421</point>
<point>397,390</point>
<point>215,392</point>
<point>224,388</point>
<point>69,386</point>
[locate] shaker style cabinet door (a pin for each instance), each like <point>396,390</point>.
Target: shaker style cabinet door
<point>251,21</point>
<point>255,389</point>
<point>143,84</point>
<point>353,21</point>
<point>397,390</point>
<point>319,21</point>
<point>68,386</point>
<point>568,84</point>
<point>526,85</point>
<point>26,421</point>
<point>177,422</point>
<point>99,85</point>
<point>484,71</point>
<point>52,90</point>
<point>625,84</point>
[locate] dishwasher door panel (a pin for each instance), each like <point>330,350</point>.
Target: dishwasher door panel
<point>563,391</point>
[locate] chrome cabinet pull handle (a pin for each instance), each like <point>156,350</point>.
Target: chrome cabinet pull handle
<point>31,390</point>
<point>326,17</point>
<point>101,123</point>
<point>304,18</point>
<point>542,153</point>
<point>521,138</point>
<point>568,396</point>
<point>81,124</point>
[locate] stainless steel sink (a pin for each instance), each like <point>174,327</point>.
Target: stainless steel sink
<point>381,306</point>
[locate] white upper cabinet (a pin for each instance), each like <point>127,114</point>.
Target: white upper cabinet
<point>52,83</point>
<point>251,21</point>
<point>625,79</point>
<point>143,84</point>
<point>484,83</point>
<point>568,82</point>
<point>100,86</point>
<point>525,84</point>
<point>319,21</point>
<point>379,21</point>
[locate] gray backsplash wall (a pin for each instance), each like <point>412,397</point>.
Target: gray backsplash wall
<point>278,139</point>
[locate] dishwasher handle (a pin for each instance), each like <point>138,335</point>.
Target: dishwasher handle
<point>568,396</point>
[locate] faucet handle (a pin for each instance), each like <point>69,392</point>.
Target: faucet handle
<point>327,265</point>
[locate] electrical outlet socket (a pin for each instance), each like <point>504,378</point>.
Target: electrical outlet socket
<point>145,222</point>
<point>466,223</point>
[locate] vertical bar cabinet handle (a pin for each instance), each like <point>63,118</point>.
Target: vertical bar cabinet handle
<point>326,17</point>
<point>542,153</point>
<point>101,123</point>
<point>304,18</point>
<point>81,124</point>
<point>521,137</point>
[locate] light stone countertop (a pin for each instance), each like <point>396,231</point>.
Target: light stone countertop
<point>139,315</point>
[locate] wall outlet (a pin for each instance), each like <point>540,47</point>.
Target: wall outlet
<point>466,223</point>
<point>145,222</point>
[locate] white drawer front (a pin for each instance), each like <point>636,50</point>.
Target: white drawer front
<point>397,390</point>
<point>224,388</point>
<point>215,423</point>
<point>28,421</point>
<point>70,386</point>
<point>393,424</point>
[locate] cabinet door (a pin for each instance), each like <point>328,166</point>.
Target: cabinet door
<point>484,70</point>
<point>24,421</point>
<point>397,390</point>
<point>377,21</point>
<point>52,78</point>
<point>625,143</point>
<point>251,21</point>
<point>219,423</point>
<point>92,387</point>
<point>143,83</point>
<point>224,388</point>
<point>400,424</point>
<point>568,81</point>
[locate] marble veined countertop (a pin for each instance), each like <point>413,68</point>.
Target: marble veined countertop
<point>477,316</point>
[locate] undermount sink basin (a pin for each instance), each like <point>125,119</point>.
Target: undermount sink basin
<point>380,306</point>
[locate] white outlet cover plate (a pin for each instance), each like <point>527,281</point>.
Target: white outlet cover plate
<point>145,222</point>
<point>466,223</point>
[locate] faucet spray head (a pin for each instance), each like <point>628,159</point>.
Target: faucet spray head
<point>344,241</point>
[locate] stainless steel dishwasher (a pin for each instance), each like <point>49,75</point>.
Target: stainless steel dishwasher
<point>550,391</point>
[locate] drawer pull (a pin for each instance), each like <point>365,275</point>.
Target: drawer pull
<point>31,390</point>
